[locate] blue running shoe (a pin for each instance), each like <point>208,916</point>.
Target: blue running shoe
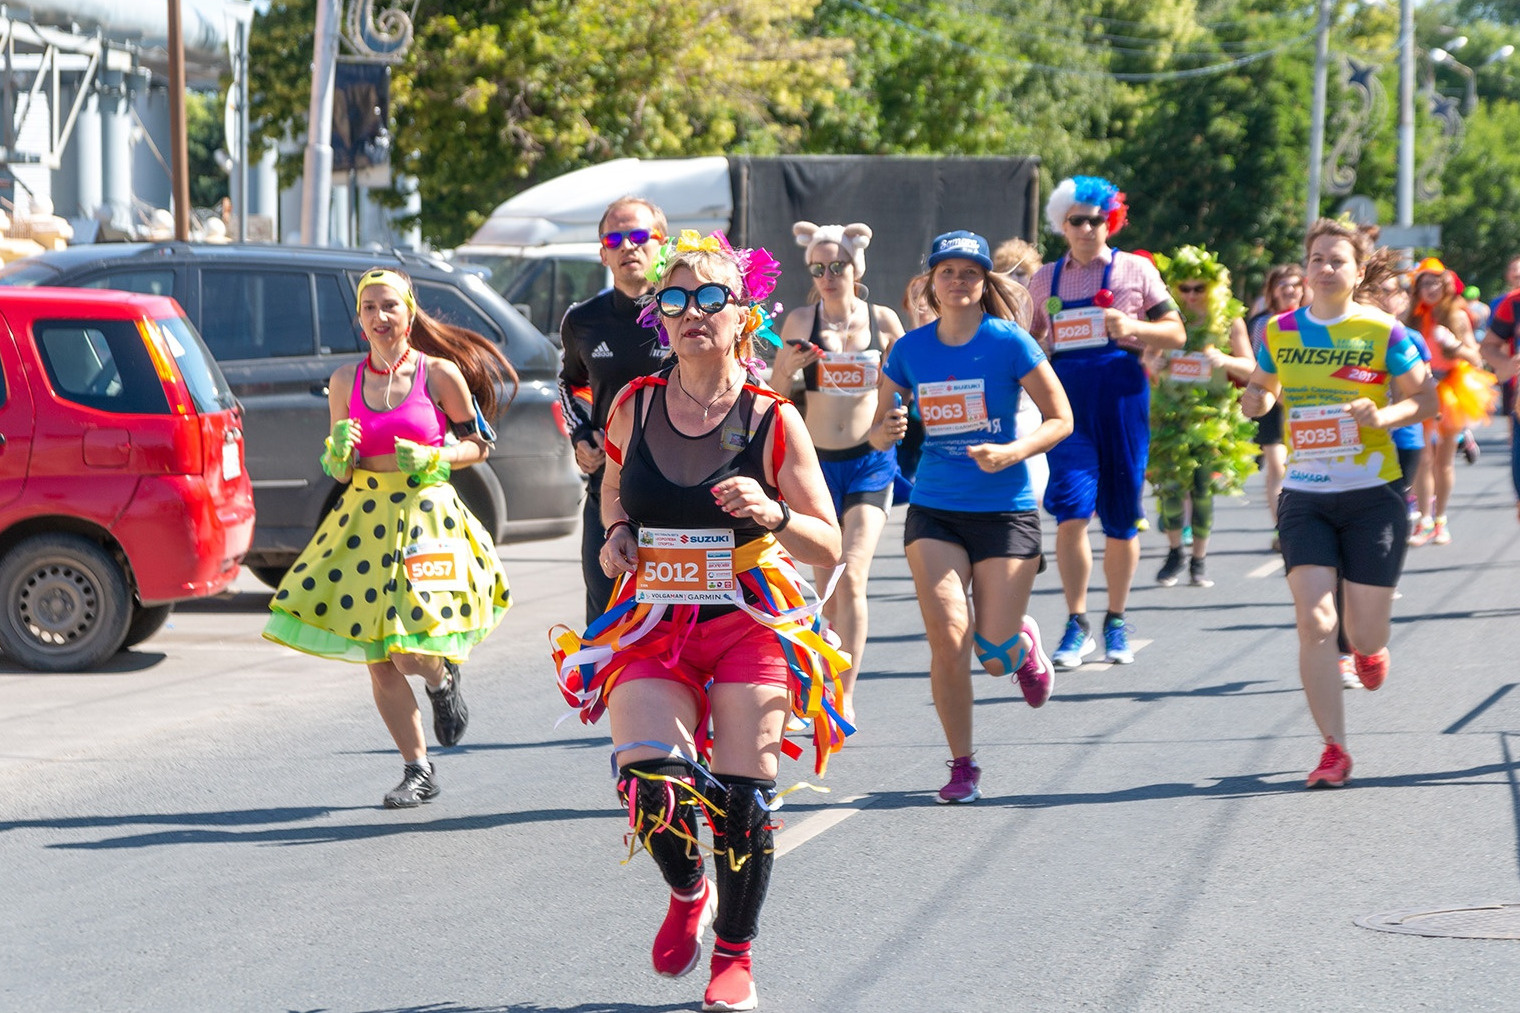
<point>1076,644</point>
<point>1116,639</point>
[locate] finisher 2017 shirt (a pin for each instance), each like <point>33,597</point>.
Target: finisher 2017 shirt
<point>1323,366</point>
<point>967,395</point>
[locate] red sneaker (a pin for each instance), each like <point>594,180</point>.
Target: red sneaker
<point>678,944</point>
<point>732,986</point>
<point>1372,669</point>
<point>1334,768</point>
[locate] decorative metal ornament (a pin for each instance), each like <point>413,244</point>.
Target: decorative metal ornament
<point>1448,113</point>
<point>379,38</point>
<point>1356,122</point>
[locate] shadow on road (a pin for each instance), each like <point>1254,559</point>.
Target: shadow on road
<point>309,834</point>
<point>529,1007</point>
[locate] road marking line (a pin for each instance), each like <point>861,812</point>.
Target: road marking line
<point>1267,569</point>
<point>797,834</point>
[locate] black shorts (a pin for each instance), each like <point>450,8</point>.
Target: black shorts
<point>999,534</point>
<point>1269,427</point>
<point>1363,533</point>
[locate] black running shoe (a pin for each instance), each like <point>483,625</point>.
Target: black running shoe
<point>1198,574</point>
<point>418,785</point>
<point>450,715</point>
<point>1171,569</point>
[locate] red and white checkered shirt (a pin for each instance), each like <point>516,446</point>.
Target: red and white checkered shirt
<point>1135,283</point>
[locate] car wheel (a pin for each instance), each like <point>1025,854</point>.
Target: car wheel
<point>269,575</point>
<point>66,603</point>
<point>146,621</point>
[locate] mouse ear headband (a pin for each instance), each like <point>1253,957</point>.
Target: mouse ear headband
<point>852,239</point>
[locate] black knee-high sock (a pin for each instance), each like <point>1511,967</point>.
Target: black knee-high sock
<point>666,816</point>
<point>745,852</point>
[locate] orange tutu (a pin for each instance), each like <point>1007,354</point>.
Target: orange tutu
<point>1467,398</point>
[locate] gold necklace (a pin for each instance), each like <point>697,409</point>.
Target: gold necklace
<point>706,408</point>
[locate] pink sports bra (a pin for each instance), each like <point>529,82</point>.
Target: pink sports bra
<point>416,418</point>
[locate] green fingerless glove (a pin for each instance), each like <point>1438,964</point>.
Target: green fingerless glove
<point>425,463</point>
<point>338,448</point>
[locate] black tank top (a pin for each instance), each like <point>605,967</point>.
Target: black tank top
<point>668,476</point>
<point>810,374</point>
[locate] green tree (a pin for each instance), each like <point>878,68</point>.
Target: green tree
<point>1218,160</point>
<point>203,129</point>
<point>497,96</point>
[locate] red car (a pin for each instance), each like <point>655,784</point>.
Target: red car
<point>122,483</point>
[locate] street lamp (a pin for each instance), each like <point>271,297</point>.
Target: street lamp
<point>1504,52</point>
<point>1441,56</point>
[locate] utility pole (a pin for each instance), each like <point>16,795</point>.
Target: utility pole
<point>1317,116</point>
<point>316,190</point>
<point>1406,114</point>
<point>179,159</point>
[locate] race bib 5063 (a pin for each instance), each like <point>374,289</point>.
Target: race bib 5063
<point>953,406</point>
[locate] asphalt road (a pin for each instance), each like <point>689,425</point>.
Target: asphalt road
<point>198,828</point>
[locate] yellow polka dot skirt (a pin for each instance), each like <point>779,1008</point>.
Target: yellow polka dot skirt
<point>394,568</point>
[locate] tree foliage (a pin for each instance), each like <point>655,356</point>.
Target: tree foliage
<point>497,95</point>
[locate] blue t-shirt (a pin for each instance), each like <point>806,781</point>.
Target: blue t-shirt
<point>966,395</point>
<point>1413,437</point>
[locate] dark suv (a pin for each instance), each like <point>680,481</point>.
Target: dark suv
<point>280,319</point>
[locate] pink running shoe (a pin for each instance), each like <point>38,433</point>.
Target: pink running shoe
<point>1037,676</point>
<point>965,778</point>
<point>678,944</point>
<point>1334,768</point>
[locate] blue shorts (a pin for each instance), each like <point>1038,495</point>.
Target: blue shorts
<point>860,474</point>
<point>1100,467</point>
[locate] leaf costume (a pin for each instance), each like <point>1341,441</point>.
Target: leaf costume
<point>1200,442</point>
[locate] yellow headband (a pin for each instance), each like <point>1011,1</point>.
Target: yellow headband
<point>380,276</point>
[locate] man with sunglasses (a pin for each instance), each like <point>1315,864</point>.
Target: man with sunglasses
<point>1096,310</point>
<point>605,347</point>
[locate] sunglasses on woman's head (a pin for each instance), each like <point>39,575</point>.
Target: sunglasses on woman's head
<point>1077,221</point>
<point>834,267</point>
<point>638,237</point>
<point>709,298</point>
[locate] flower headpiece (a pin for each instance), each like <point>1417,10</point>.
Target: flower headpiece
<point>758,271</point>
<point>1094,190</point>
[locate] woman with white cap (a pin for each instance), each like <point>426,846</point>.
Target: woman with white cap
<point>833,348</point>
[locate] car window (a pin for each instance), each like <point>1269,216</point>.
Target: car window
<point>159,281</point>
<point>533,292</point>
<point>575,281</point>
<point>101,364</point>
<point>255,314</point>
<point>337,325</point>
<point>446,304</point>
<point>208,387</point>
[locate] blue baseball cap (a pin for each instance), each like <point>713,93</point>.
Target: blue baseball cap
<point>962,244</point>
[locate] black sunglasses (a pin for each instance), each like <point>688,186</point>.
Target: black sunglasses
<point>1077,221</point>
<point>834,267</point>
<point>1190,289</point>
<point>709,298</point>
<point>638,237</point>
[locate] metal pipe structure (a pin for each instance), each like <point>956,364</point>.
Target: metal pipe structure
<point>1317,116</point>
<point>316,183</point>
<point>1406,114</point>
<point>180,146</point>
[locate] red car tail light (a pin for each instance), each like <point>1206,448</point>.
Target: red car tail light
<point>186,456</point>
